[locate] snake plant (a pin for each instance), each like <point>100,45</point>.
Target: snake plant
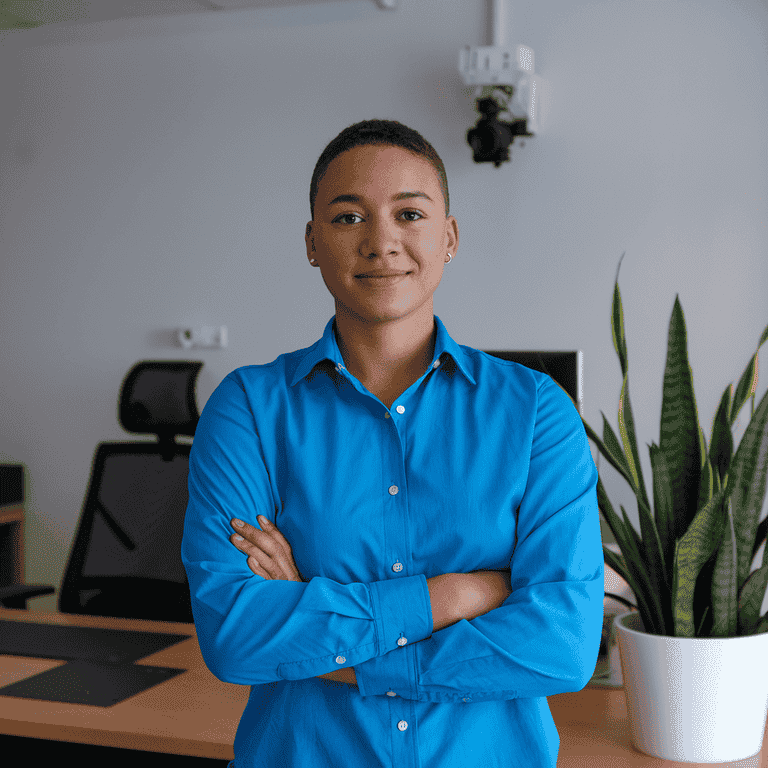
<point>689,568</point>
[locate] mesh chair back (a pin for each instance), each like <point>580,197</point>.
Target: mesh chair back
<point>126,556</point>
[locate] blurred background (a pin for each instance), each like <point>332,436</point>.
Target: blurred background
<point>155,163</point>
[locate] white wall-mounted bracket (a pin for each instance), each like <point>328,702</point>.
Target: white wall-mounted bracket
<point>204,337</point>
<point>512,66</point>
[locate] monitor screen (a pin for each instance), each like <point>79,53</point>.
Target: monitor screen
<point>565,368</point>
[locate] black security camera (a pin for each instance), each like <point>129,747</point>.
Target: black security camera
<point>491,137</point>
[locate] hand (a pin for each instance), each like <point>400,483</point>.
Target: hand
<point>270,556</point>
<point>269,553</point>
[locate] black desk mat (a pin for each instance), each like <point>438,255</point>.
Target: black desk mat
<point>91,644</point>
<point>98,685</point>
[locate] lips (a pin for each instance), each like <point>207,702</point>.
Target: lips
<point>382,275</point>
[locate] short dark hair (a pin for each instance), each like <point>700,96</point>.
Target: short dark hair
<point>388,132</point>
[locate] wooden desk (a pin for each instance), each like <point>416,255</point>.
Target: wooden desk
<point>191,714</point>
<point>196,714</point>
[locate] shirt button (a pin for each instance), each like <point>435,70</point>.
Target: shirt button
<point>402,641</point>
<point>340,659</point>
<point>400,409</point>
<point>402,725</point>
<point>391,693</point>
<point>436,364</point>
<point>393,490</point>
<point>397,567</point>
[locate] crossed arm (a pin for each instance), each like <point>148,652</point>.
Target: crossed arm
<point>453,596</point>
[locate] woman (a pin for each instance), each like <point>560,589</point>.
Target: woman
<point>393,538</point>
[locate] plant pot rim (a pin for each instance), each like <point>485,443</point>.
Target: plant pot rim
<point>619,623</point>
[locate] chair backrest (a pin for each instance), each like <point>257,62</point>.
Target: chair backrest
<point>126,555</point>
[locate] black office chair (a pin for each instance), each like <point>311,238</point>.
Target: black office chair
<point>126,555</point>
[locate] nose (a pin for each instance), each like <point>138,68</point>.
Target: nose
<point>381,238</point>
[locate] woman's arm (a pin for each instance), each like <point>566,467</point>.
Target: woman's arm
<point>453,596</point>
<point>457,596</point>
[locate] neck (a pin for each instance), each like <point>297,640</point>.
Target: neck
<point>387,355</point>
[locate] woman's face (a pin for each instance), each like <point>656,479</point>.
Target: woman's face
<point>380,235</point>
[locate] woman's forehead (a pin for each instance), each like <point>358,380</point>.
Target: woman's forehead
<point>380,165</point>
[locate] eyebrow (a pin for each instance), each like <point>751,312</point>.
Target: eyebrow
<point>398,196</point>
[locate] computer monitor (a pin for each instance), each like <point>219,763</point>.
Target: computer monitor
<point>566,368</point>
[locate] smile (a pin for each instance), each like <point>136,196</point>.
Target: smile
<point>383,277</point>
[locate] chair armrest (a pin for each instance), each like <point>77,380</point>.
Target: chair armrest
<point>16,595</point>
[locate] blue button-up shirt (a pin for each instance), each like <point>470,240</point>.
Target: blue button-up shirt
<point>480,464</point>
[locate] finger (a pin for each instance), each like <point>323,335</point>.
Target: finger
<point>269,527</point>
<point>268,566</point>
<point>257,569</point>
<point>271,542</point>
<point>275,567</point>
<point>261,539</point>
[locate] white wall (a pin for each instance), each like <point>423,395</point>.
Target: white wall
<point>154,173</point>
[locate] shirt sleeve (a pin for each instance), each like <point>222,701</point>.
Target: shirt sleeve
<point>545,638</point>
<point>253,630</point>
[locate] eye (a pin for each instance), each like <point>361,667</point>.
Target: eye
<point>344,216</point>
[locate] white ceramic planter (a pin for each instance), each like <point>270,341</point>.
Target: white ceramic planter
<point>697,700</point>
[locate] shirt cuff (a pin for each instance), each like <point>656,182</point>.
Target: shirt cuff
<point>403,614</point>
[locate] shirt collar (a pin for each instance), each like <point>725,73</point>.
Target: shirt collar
<point>327,349</point>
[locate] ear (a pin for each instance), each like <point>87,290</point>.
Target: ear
<point>452,235</point>
<point>310,244</point>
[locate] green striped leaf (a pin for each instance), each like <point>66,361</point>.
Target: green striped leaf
<point>662,504</point>
<point>653,618</point>
<point>692,551</point>
<point>627,432</point>
<point>747,478</point>
<point>748,382</point>
<point>631,566</point>
<point>725,591</point>
<point>751,599</point>
<point>745,388</point>
<point>679,433</point>
<point>617,461</point>
<point>617,324</point>
<point>721,441</point>
<point>707,484</point>
<point>763,337</point>
<point>622,536</point>
<point>653,556</point>
<point>613,445</point>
